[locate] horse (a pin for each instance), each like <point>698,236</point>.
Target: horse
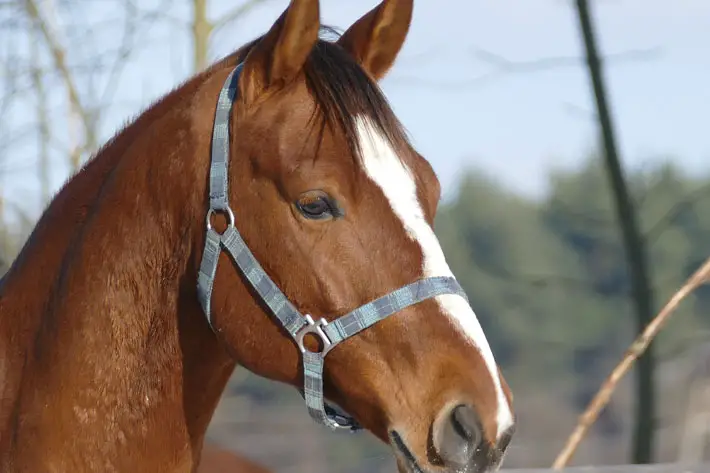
<point>270,212</point>
<point>215,459</point>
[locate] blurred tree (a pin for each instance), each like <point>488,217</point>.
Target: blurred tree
<point>548,279</point>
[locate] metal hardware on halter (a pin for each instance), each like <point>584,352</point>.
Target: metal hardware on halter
<point>315,328</point>
<point>295,323</point>
<point>212,212</point>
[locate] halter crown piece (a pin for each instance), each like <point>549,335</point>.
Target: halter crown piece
<point>296,324</point>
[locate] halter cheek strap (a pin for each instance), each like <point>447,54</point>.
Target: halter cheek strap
<point>295,323</point>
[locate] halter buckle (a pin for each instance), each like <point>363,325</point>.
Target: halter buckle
<point>315,328</point>
<point>212,212</point>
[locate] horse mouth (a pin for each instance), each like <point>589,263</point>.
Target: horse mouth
<point>408,463</point>
<point>404,454</point>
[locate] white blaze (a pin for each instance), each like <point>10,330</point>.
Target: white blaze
<point>397,183</point>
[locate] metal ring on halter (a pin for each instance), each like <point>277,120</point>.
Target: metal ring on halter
<point>212,212</point>
<point>316,328</point>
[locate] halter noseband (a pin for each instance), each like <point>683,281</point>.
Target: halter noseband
<point>296,324</point>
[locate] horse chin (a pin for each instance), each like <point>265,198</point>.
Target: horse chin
<point>406,461</point>
<point>407,466</point>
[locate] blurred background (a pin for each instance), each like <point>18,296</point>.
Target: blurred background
<point>498,96</point>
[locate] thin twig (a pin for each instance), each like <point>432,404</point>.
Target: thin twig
<point>502,67</point>
<point>59,57</point>
<point>547,63</point>
<point>674,212</point>
<point>43,119</point>
<point>237,12</point>
<point>701,276</point>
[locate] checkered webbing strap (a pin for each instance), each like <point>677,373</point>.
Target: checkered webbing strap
<point>295,323</point>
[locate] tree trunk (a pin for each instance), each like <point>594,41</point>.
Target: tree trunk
<point>634,245</point>
<point>201,29</point>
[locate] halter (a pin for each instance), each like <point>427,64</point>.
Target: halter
<point>296,324</point>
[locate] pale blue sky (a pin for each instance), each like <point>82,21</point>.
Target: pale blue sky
<point>462,110</point>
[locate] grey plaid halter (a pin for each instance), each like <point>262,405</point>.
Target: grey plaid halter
<point>296,324</point>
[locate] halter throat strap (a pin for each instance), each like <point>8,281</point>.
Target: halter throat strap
<point>296,324</point>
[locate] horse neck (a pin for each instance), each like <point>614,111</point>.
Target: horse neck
<point>116,343</point>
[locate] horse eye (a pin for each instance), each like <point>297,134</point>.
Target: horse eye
<point>316,207</point>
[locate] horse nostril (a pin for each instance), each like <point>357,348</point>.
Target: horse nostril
<point>457,436</point>
<point>465,421</point>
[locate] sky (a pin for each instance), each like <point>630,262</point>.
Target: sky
<point>494,85</point>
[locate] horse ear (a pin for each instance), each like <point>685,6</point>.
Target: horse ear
<point>376,39</point>
<point>281,53</point>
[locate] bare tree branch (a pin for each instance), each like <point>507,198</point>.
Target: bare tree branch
<point>42,119</point>
<point>501,67</point>
<point>59,56</point>
<point>124,51</point>
<point>236,13</point>
<point>501,64</point>
<point>674,212</point>
<point>634,351</point>
<point>203,28</point>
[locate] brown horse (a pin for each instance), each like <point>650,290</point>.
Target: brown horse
<point>107,361</point>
